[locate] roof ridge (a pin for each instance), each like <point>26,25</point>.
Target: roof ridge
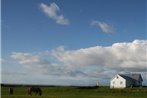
<point>131,76</point>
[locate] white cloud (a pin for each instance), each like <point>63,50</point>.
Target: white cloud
<point>102,63</point>
<point>94,63</point>
<point>52,12</point>
<point>32,62</point>
<point>28,58</point>
<point>106,28</point>
<point>119,55</point>
<point>2,61</point>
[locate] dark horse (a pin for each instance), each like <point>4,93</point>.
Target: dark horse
<point>35,90</point>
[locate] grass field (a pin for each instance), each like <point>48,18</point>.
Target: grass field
<point>77,92</point>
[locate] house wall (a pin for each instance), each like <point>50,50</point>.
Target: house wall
<point>129,83</point>
<point>118,82</point>
<point>138,83</point>
<point>133,83</point>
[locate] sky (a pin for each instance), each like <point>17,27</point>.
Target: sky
<point>72,42</point>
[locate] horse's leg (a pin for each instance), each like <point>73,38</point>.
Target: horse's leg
<point>40,92</point>
<point>35,91</point>
<point>29,91</point>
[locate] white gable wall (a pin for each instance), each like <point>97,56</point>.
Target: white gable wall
<point>118,82</point>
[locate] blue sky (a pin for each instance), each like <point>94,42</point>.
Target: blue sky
<point>50,36</point>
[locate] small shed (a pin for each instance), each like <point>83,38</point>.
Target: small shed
<point>126,80</point>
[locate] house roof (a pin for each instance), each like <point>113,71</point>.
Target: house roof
<point>136,77</point>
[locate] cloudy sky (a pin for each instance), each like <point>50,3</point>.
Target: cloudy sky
<point>72,42</point>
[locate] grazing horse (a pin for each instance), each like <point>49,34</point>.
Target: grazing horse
<point>35,90</point>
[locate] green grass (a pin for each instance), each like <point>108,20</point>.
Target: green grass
<point>76,92</point>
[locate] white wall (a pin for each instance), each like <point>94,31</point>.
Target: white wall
<point>118,82</point>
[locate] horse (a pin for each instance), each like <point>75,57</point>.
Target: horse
<point>35,90</point>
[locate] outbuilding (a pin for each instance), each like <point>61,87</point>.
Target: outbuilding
<point>126,80</point>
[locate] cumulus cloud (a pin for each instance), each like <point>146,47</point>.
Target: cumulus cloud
<point>31,61</point>
<point>106,28</point>
<point>127,55</point>
<point>119,55</point>
<point>102,63</point>
<point>95,63</point>
<point>36,63</point>
<point>28,58</point>
<point>52,11</point>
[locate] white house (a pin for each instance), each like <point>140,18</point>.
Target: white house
<point>126,80</point>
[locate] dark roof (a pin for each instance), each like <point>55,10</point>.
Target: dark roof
<point>136,77</point>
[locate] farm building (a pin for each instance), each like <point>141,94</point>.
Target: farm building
<point>126,80</point>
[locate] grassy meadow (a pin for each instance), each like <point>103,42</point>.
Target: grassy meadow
<point>76,92</point>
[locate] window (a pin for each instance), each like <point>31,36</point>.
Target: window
<point>121,82</point>
<point>117,77</point>
<point>113,82</point>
